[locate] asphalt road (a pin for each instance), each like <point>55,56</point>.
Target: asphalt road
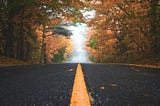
<point>36,85</point>
<point>120,85</point>
<point>51,85</point>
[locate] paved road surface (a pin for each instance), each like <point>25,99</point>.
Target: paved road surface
<point>119,85</point>
<point>51,85</point>
<point>48,85</point>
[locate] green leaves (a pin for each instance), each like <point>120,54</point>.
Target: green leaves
<point>93,43</point>
<point>77,21</point>
<point>29,2</point>
<point>131,14</point>
<point>58,58</point>
<point>62,31</point>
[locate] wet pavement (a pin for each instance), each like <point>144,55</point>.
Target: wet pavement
<point>120,85</point>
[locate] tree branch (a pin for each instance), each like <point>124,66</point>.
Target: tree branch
<point>139,45</point>
<point>149,1</point>
<point>123,10</point>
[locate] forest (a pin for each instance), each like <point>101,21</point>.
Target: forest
<point>122,31</point>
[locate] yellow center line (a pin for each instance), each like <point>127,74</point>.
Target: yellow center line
<point>80,95</point>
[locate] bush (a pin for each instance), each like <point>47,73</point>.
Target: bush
<point>58,58</point>
<point>93,43</point>
<point>94,60</point>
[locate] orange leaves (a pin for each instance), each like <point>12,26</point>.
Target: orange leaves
<point>55,21</point>
<point>47,2</point>
<point>122,26</point>
<point>109,32</point>
<point>53,44</point>
<point>77,3</point>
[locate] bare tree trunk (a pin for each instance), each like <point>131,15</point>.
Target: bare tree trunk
<point>3,36</point>
<point>43,57</point>
<point>9,49</point>
<point>154,27</point>
<point>20,46</point>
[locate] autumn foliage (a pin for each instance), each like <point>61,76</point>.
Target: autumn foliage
<point>121,31</point>
<point>126,30</point>
<point>26,27</point>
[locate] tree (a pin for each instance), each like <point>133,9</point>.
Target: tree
<point>59,57</point>
<point>61,31</point>
<point>20,20</point>
<point>134,25</point>
<point>155,26</point>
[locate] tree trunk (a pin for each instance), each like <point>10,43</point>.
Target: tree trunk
<point>9,49</point>
<point>26,55</point>
<point>20,46</point>
<point>154,28</point>
<point>4,34</point>
<point>43,57</point>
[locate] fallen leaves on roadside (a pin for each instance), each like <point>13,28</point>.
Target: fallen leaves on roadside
<point>102,88</point>
<point>70,70</point>
<point>137,70</point>
<point>113,84</point>
<point>133,68</point>
<point>147,94</point>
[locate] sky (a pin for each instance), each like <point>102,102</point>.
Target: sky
<point>79,53</point>
<point>79,38</point>
<point>88,14</point>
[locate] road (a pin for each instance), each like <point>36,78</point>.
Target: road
<point>36,85</point>
<point>51,85</point>
<point>120,85</point>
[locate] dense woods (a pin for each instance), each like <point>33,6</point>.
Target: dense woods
<point>27,25</point>
<point>126,30</point>
<point>122,30</point>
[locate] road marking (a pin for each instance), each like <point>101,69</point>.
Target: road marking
<point>80,95</point>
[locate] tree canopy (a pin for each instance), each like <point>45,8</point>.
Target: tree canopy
<point>125,30</point>
<point>62,31</point>
<point>19,20</point>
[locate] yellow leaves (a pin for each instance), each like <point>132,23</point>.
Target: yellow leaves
<point>109,32</point>
<point>54,43</point>
<point>70,70</point>
<point>39,33</point>
<point>77,4</point>
<point>47,2</point>
<point>124,18</point>
<point>113,84</point>
<point>55,21</point>
<point>102,88</point>
<point>110,85</point>
<point>136,70</point>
